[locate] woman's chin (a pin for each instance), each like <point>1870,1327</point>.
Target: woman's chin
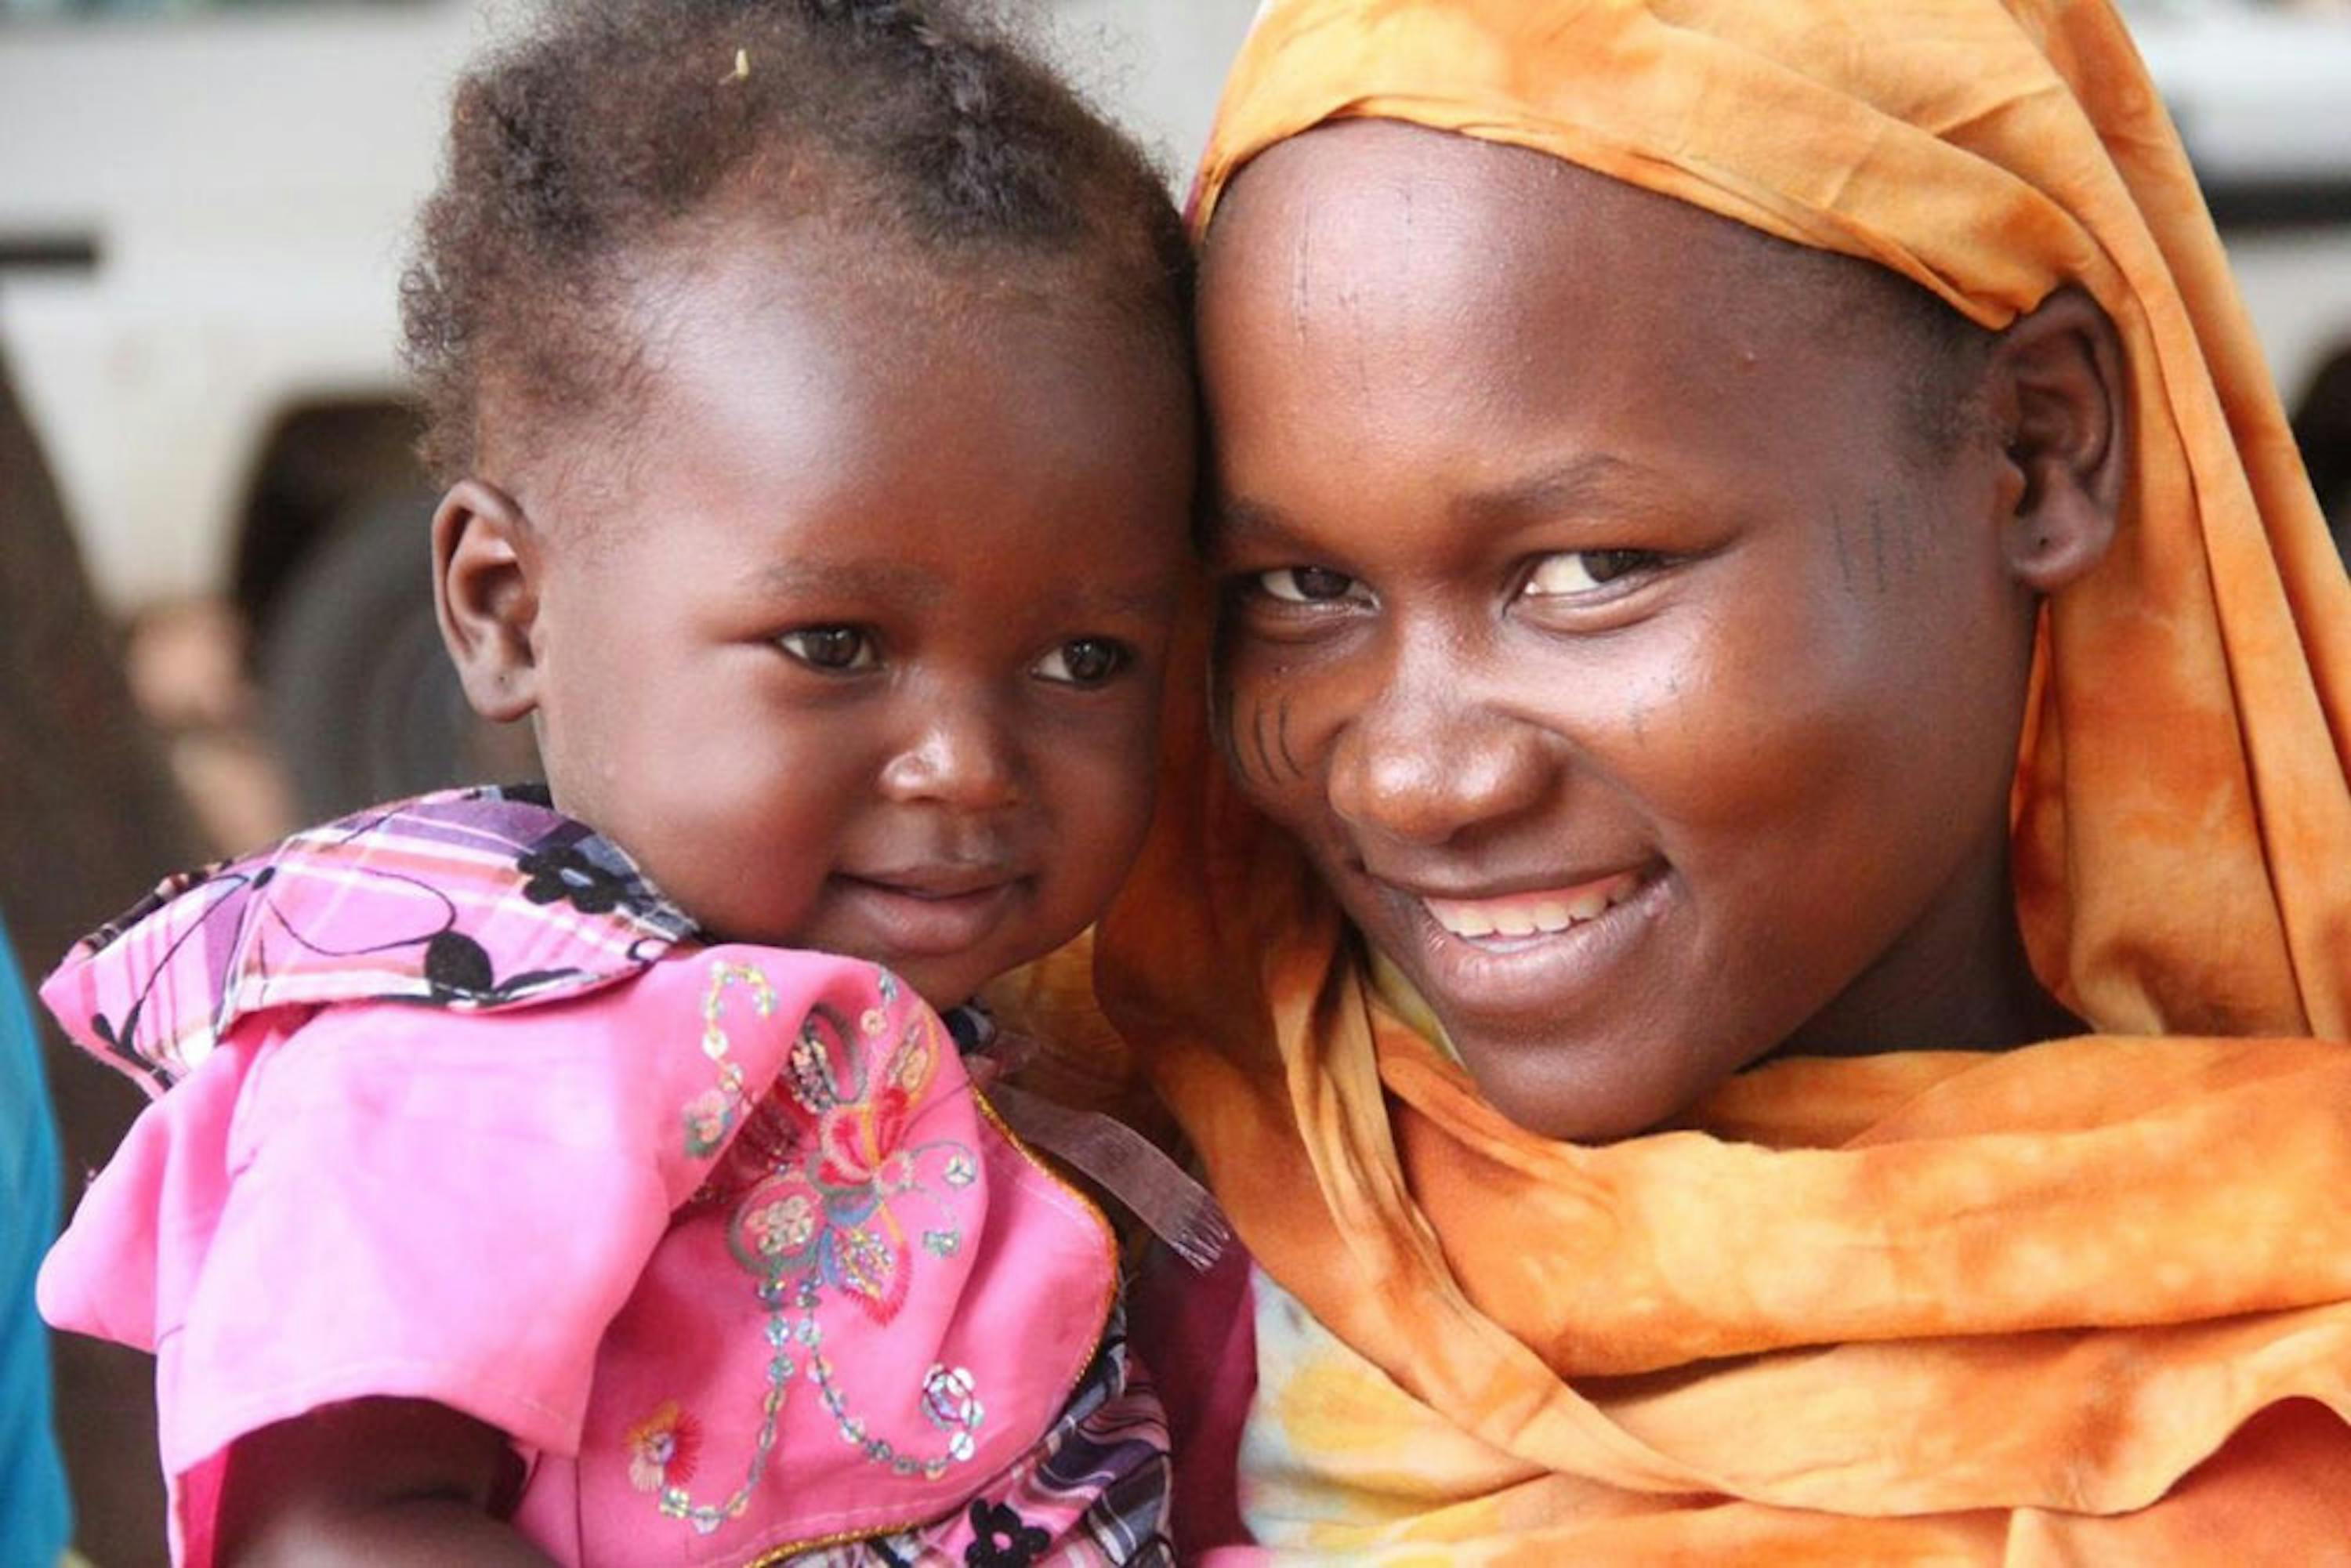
<point>1580,1091</point>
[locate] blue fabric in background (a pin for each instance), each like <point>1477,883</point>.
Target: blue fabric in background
<point>35,1518</point>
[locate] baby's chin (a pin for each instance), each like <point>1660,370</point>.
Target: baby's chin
<point>945,944</point>
<point>942,983</point>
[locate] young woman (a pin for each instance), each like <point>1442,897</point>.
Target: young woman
<point>1764,974</point>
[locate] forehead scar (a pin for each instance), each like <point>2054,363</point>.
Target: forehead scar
<point>1302,261</point>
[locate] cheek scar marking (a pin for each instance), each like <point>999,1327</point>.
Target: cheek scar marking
<point>1232,753</point>
<point>1903,532</point>
<point>1220,733</point>
<point>1281,739</point>
<point>1838,538</point>
<point>1257,731</point>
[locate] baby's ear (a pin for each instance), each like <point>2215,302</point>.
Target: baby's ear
<point>485,569</point>
<point>2062,403</point>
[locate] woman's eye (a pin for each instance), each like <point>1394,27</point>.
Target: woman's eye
<point>1572,572</point>
<point>832,648</point>
<point>1084,661</point>
<point>1306,585</point>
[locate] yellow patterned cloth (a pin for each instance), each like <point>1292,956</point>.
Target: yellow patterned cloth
<point>2086,1301</point>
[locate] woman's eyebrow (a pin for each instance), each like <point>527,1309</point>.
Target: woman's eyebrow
<point>1589,481</point>
<point>1238,517</point>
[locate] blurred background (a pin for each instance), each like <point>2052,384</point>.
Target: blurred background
<point>215,618</point>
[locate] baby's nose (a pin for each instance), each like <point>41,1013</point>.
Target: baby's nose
<point>962,756</point>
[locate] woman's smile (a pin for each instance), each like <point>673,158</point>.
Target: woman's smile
<point>1497,917</point>
<point>1534,958</point>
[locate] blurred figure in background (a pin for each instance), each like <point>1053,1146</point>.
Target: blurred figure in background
<point>89,817</point>
<point>35,1521</point>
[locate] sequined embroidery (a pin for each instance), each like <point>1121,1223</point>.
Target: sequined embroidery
<point>832,1199</point>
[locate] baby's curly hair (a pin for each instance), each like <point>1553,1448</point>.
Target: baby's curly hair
<point>598,134</point>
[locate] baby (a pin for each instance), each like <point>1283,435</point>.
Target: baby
<point>588,1174</point>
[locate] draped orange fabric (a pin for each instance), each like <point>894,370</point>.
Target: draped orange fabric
<point>2088,1301</point>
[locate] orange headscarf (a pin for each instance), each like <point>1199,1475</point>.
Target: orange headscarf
<point>2086,1301</point>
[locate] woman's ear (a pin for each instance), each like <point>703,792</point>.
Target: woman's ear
<point>484,589</point>
<point>2059,397</point>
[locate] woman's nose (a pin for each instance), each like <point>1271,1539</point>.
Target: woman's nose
<point>963,757</point>
<point>1426,759</point>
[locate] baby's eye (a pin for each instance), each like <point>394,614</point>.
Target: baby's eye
<point>1572,572</point>
<point>1306,585</point>
<point>1083,662</point>
<point>830,648</point>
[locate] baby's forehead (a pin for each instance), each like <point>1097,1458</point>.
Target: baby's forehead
<point>827,326</point>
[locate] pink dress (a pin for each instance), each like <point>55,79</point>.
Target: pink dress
<point>452,1106</point>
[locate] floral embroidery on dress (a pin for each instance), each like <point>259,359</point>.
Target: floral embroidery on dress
<point>663,1448</point>
<point>710,1116</point>
<point>832,1197</point>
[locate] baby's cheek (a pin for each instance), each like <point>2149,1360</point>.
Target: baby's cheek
<point>750,862</point>
<point>1113,792</point>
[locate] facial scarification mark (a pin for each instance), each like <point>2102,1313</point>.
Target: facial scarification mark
<point>1226,722</point>
<point>1258,733</point>
<point>1895,545</point>
<point>1222,730</point>
<point>1902,529</point>
<point>1302,293</point>
<point>1281,739</point>
<point>1892,549</point>
<point>1223,737</point>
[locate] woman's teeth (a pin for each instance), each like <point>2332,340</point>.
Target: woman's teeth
<point>1528,914</point>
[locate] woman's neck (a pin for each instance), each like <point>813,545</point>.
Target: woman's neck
<point>1958,979</point>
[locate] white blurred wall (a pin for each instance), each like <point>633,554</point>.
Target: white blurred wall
<point>246,177</point>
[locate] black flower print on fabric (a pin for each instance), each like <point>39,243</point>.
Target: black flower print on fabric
<point>1005,1540</point>
<point>560,873</point>
<point>391,904</point>
<point>571,864</point>
<point>457,966</point>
